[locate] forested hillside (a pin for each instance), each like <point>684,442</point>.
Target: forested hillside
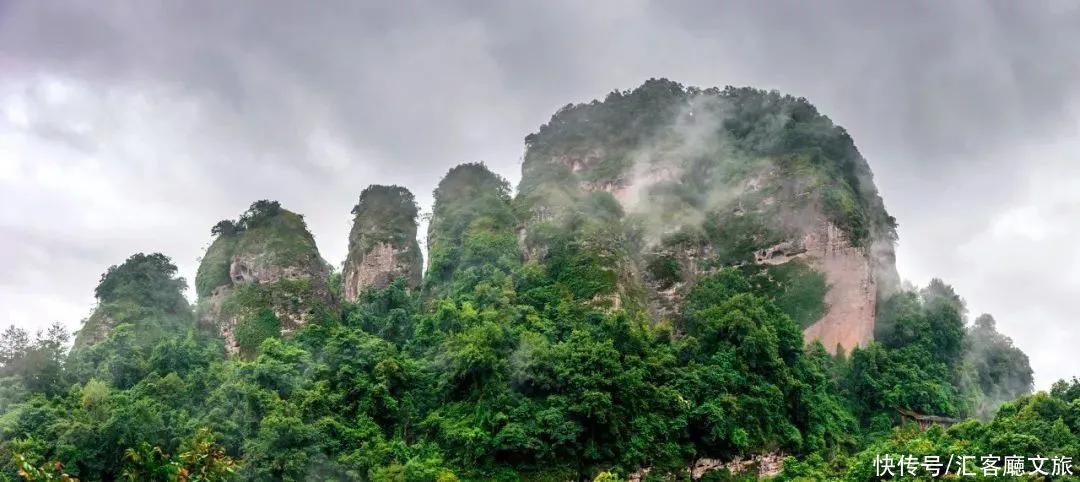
<point>687,284</point>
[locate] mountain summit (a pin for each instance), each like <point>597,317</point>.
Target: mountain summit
<point>669,183</point>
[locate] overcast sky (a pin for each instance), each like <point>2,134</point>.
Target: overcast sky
<point>135,126</point>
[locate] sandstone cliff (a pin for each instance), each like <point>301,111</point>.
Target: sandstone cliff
<point>382,242</point>
<point>851,298</point>
<point>261,277</point>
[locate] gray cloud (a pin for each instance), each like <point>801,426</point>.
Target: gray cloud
<point>135,126</point>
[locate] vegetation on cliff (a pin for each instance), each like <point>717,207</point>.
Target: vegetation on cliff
<point>698,149</point>
<point>277,237</point>
<point>143,292</point>
<point>659,185</point>
<point>519,380</point>
<point>471,238</point>
<point>384,214</point>
<point>261,276</point>
<point>514,361</point>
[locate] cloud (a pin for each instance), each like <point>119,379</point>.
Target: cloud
<point>136,127</point>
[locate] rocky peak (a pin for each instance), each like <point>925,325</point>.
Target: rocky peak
<point>472,230</point>
<point>262,276</point>
<point>698,179</point>
<point>382,242</point>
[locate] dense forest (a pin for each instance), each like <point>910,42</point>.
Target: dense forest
<point>561,332</point>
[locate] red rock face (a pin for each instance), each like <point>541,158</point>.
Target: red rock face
<point>852,297</point>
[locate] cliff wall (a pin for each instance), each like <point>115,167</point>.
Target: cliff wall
<point>382,242</point>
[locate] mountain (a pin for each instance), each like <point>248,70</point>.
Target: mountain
<point>142,293</point>
<point>665,183</point>
<point>262,276</point>
<point>471,237</point>
<point>688,284</point>
<point>382,242</point>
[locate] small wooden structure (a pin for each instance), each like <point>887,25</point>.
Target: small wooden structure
<point>925,421</point>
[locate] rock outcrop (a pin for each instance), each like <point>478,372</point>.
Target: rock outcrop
<point>261,277</point>
<point>762,466</point>
<point>382,242</point>
<point>683,181</point>
<point>851,300</point>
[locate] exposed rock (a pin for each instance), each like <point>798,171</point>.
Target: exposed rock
<point>382,242</point>
<point>761,465</point>
<point>665,296</point>
<point>631,188</point>
<point>260,268</point>
<point>709,179</point>
<point>781,253</point>
<point>770,465</point>
<point>210,317</point>
<point>270,263</point>
<point>852,297</point>
<point>377,268</point>
<point>95,329</point>
<point>704,465</point>
<point>290,308</point>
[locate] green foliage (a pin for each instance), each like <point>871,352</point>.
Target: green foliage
<point>471,236</point>
<point>38,364</point>
<point>388,313</point>
<point>258,214</point>
<point>144,292</point>
<point>1041,424</point>
<point>255,308</point>
<point>214,267</point>
<point>665,269</point>
<point>283,236</point>
<point>147,280</point>
<point>280,279</point>
<point>543,369</point>
<point>1001,370</point>
<point>752,356</point>
<point>201,461</point>
<point>518,375</point>
<point>266,234</point>
<point>252,330</point>
<point>717,142</point>
<point>796,288</point>
<point>736,238</point>
<point>386,215</point>
<point>924,357</point>
<point>390,210</point>
<point>48,471</point>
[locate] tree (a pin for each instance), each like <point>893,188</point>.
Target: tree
<point>224,227</point>
<point>14,345</point>
<point>149,280</point>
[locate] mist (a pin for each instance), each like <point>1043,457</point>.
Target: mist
<point>137,130</point>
